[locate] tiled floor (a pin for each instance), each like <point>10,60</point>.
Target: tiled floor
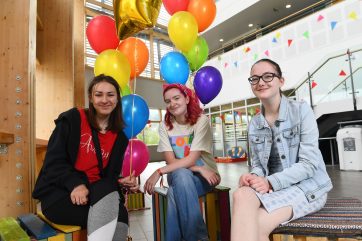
<point>346,184</point>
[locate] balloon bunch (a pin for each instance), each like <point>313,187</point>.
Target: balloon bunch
<point>188,18</point>
<point>124,58</point>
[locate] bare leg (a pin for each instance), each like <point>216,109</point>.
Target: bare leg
<point>244,221</point>
<point>269,221</point>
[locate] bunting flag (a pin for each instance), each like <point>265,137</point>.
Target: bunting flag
<point>255,57</point>
<point>247,49</point>
<point>333,25</point>
<point>277,35</point>
<point>266,53</point>
<point>314,84</point>
<point>342,73</point>
<point>226,64</point>
<point>306,34</point>
<point>236,64</point>
<point>352,15</point>
<point>219,57</point>
<point>320,18</point>
<point>290,42</point>
<point>275,40</point>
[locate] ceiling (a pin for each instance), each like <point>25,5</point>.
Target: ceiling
<point>261,14</point>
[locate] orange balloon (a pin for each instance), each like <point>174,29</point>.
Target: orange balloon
<point>204,12</point>
<point>136,52</point>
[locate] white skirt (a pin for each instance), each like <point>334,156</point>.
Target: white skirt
<point>292,196</point>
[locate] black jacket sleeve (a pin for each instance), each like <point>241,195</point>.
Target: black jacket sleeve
<point>58,169</point>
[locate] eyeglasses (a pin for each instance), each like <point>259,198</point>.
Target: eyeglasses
<point>267,77</point>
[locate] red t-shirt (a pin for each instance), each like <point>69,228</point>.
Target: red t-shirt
<point>87,158</point>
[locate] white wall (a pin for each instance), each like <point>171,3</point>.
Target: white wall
<point>304,54</point>
<point>228,8</point>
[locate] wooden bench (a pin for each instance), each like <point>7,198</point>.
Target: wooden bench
<point>340,220</point>
<point>215,207</point>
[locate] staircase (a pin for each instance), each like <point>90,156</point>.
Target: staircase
<point>334,90</point>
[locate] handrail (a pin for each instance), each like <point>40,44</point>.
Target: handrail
<point>271,26</point>
<point>342,81</point>
<point>324,63</point>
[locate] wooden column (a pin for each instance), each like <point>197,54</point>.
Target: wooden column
<point>17,73</point>
<point>60,50</point>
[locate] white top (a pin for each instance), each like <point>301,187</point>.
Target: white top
<point>185,138</point>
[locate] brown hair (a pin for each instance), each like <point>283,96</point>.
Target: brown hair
<point>115,122</point>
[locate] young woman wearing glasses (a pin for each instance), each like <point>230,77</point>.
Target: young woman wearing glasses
<point>288,178</point>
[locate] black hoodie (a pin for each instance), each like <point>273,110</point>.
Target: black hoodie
<point>58,176</point>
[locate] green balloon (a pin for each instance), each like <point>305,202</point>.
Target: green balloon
<point>125,91</point>
<point>197,55</point>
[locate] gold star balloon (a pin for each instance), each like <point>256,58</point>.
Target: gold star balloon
<point>133,16</point>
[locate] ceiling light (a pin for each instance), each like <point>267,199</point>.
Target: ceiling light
<point>221,40</point>
<point>250,25</point>
<point>288,6</point>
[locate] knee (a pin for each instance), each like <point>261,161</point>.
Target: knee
<point>245,196</point>
<point>181,176</point>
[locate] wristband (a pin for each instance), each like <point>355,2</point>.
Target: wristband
<point>159,172</point>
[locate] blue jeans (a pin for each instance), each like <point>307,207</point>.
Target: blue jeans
<point>184,218</point>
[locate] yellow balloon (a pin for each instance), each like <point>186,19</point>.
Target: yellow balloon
<point>113,63</point>
<point>133,16</point>
<point>182,29</point>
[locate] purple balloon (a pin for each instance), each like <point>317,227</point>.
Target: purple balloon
<point>207,83</point>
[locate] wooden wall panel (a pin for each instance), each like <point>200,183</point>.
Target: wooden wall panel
<point>79,49</point>
<point>54,74</point>
<point>17,71</point>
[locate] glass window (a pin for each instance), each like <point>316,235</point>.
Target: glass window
<point>252,101</point>
<point>215,109</point>
<point>226,107</point>
<point>253,110</point>
<point>155,115</point>
<point>216,127</point>
<point>240,103</point>
<point>149,135</point>
<point>229,130</point>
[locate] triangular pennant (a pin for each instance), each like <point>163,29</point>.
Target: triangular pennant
<point>290,42</point>
<point>277,35</point>
<point>352,15</point>
<point>266,53</point>
<point>255,57</point>
<point>342,73</point>
<point>236,64</point>
<point>219,57</point>
<point>314,84</point>
<point>320,18</point>
<point>247,49</point>
<point>274,40</point>
<point>226,64</point>
<point>306,34</point>
<point>333,25</point>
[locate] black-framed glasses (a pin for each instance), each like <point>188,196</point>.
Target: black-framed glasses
<point>266,77</point>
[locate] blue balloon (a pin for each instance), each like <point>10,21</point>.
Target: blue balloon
<point>174,68</point>
<point>135,114</point>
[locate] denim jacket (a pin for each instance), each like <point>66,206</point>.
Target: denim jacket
<point>297,144</point>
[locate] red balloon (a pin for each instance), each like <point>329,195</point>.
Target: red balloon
<point>173,6</point>
<point>102,34</point>
<point>140,158</point>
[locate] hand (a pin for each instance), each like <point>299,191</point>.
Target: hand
<point>79,195</point>
<point>260,184</point>
<point>149,186</point>
<point>130,182</point>
<point>245,179</point>
<point>211,177</point>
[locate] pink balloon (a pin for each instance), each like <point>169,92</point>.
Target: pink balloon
<point>102,34</point>
<point>140,158</point>
<point>173,6</point>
